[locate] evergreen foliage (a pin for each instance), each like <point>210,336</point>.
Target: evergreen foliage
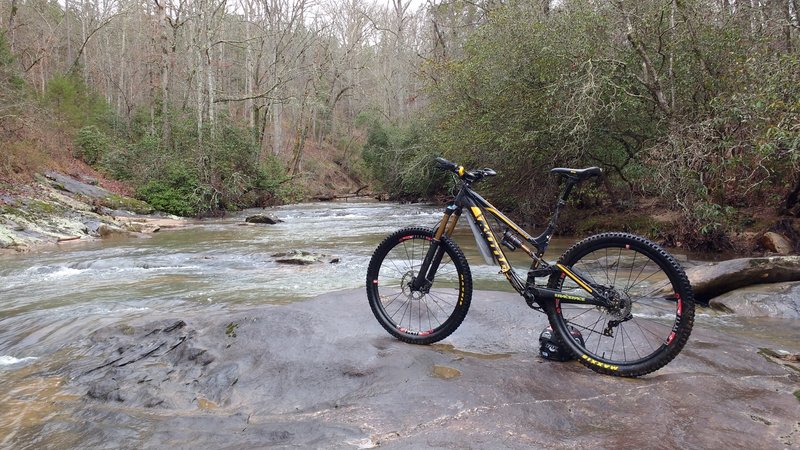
<point>703,114</point>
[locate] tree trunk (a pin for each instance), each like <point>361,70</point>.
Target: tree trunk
<point>166,128</point>
<point>651,80</point>
<point>84,69</point>
<point>673,8</point>
<point>68,30</point>
<point>277,127</point>
<point>12,25</point>
<point>248,72</point>
<point>787,28</point>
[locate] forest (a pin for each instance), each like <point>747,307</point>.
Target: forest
<point>691,107</point>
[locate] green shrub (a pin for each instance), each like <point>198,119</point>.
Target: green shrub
<point>396,157</point>
<point>92,144</point>
<point>177,192</point>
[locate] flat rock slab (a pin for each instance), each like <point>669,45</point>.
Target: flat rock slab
<point>323,374</point>
<point>74,186</point>
<point>762,300</point>
<point>713,279</point>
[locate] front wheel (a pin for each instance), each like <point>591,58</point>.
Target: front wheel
<point>651,309</point>
<point>423,315</point>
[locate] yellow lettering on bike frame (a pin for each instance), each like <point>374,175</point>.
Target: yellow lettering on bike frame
<point>498,253</point>
<point>574,278</point>
<point>569,297</point>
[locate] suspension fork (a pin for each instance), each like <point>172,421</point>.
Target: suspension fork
<point>433,258</point>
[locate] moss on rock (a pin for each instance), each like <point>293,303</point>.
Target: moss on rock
<point>116,201</point>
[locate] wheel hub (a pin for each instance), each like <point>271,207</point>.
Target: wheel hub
<point>619,310</point>
<point>408,289</point>
<point>620,305</point>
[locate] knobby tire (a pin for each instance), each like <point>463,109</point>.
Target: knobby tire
<point>418,317</point>
<point>649,280</point>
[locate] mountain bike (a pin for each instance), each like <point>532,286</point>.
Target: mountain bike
<point>629,298</point>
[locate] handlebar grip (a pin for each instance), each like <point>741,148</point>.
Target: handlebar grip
<point>443,164</point>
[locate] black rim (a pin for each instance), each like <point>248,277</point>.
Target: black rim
<point>646,311</point>
<point>418,313</point>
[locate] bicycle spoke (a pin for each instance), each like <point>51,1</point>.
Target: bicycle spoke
<point>638,320</point>
<point>418,311</point>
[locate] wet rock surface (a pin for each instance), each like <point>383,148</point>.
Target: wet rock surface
<point>713,279</point>
<point>303,258</point>
<point>762,300</point>
<point>323,374</point>
<point>263,218</point>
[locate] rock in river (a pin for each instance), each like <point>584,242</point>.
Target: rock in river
<point>762,300</point>
<point>711,280</point>
<point>262,218</point>
<point>302,258</point>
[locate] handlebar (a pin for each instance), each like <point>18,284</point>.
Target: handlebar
<point>468,175</point>
<point>443,164</point>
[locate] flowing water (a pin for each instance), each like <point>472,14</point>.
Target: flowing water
<point>53,295</point>
<point>57,295</point>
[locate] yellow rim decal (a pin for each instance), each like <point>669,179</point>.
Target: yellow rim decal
<point>461,171</point>
<point>574,278</point>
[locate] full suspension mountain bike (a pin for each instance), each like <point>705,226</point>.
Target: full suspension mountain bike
<point>629,299</point>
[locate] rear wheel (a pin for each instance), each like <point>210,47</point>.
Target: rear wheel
<point>428,314</point>
<point>652,310</point>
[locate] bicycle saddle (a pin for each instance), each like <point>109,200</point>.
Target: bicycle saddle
<point>579,174</point>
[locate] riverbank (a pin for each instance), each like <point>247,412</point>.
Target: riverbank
<point>59,209</point>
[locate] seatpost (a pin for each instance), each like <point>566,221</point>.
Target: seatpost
<point>562,201</point>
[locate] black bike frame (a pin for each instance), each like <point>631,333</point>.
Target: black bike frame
<point>478,208</point>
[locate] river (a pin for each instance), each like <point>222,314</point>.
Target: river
<point>54,294</point>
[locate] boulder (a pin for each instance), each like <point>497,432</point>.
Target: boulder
<point>301,258</point>
<point>713,279</point>
<point>106,230</point>
<point>776,243</point>
<point>262,218</point>
<point>762,300</point>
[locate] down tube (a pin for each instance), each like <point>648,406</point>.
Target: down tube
<point>486,238</point>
